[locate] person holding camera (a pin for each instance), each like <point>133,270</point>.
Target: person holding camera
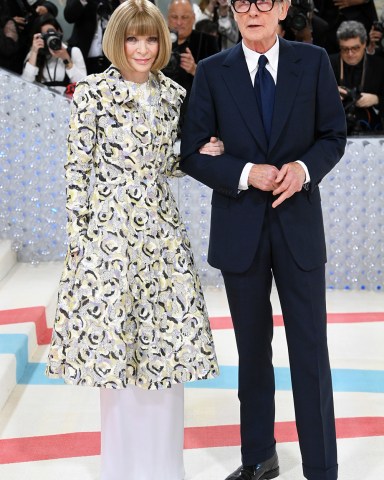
<point>334,12</point>
<point>90,19</point>
<point>360,78</point>
<point>188,47</point>
<point>23,13</point>
<point>302,24</point>
<point>219,13</point>
<point>50,61</point>
<point>376,38</point>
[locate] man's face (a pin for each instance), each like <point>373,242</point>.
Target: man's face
<point>258,29</point>
<point>352,50</point>
<point>181,18</point>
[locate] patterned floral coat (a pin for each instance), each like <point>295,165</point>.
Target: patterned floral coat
<point>130,305</point>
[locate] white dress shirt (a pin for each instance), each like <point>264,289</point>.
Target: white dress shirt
<point>252,59</point>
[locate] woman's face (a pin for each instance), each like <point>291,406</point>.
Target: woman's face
<point>141,52</point>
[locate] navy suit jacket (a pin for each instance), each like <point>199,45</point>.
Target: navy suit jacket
<point>308,124</point>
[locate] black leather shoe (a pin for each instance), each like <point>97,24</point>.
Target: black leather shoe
<point>262,471</point>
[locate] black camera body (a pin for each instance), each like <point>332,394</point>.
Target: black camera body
<point>378,26</point>
<point>349,103</point>
<point>297,16</point>
<point>173,66</point>
<point>52,40</point>
<point>351,97</point>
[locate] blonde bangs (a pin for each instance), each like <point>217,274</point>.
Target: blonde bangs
<point>142,24</point>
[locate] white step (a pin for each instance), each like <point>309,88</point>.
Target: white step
<point>23,286</point>
<point>7,377</point>
<point>7,257</point>
<point>12,364</point>
<point>31,285</point>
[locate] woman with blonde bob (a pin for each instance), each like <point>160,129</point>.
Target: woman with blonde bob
<point>131,317</point>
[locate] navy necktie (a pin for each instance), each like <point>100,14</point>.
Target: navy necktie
<point>265,94</point>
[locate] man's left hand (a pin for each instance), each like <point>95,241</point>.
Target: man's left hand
<point>187,62</point>
<point>290,178</point>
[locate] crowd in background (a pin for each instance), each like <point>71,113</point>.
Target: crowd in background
<point>32,44</point>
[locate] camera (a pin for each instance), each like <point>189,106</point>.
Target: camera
<point>297,16</point>
<point>349,103</point>
<point>29,18</point>
<point>173,66</point>
<point>52,39</point>
<point>378,26</point>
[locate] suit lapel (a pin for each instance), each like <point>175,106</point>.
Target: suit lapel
<point>236,76</point>
<point>288,74</point>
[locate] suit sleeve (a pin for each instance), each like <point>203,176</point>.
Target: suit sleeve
<point>222,172</point>
<point>330,133</point>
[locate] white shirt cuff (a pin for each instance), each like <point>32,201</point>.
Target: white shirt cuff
<point>243,182</point>
<point>307,177</point>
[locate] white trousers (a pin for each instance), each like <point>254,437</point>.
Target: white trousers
<point>142,433</point>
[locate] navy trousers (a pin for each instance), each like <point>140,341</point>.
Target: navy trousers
<point>302,298</point>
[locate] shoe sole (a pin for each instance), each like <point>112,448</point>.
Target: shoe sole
<point>271,474</point>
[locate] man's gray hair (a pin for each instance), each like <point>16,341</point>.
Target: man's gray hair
<point>351,29</point>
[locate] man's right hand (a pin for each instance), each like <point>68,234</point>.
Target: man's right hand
<point>263,177</point>
<point>187,62</point>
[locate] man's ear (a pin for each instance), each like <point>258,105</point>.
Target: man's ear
<point>283,9</point>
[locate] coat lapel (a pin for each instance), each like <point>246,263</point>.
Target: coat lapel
<point>288,74</point>
<point>236,76</point>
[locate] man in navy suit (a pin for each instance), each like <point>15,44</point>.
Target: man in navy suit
<point>266,221</point>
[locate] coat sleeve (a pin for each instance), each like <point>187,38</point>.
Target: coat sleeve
<point>81,144</point>
<point>172,145</point>
<point>222,172</point>
<point>330,134</point>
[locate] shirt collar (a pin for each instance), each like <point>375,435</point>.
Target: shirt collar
<point>252,57</point>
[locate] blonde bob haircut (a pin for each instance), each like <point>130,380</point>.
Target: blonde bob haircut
<point>136,17</point>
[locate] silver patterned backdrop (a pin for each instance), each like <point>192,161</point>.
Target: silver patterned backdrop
<point>33,128</point>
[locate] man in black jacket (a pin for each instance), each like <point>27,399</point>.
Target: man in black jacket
<point>90,18</point>
<point>360,78</point>
<point>189,47</point>
<point>334,12</point>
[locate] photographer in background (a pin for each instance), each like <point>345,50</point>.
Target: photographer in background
<point>302,24</point>
<point>90,18</point>
<point>334,12</point>
<point>361,80</point>
<point>219,13</point>
<point>9,38</point>
<point>188,47</point>
<point>23,13</point>
<point>49,60</point>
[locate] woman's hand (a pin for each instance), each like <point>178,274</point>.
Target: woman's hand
<point>63,54</point>
<point>214,147</point>
<point>37,43</point>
